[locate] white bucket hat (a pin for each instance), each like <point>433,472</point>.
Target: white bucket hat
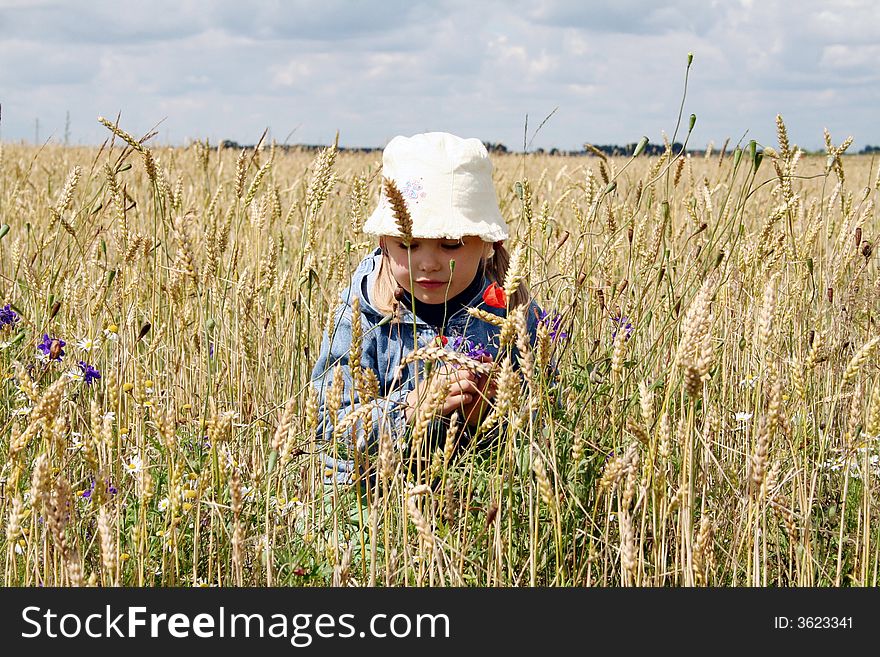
<point>446,182</point>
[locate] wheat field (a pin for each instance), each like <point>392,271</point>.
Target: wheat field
<point>712,420</point>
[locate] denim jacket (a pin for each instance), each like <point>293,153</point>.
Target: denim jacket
<point>385,344</point>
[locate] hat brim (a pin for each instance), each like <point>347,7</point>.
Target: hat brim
<point>382,222</point>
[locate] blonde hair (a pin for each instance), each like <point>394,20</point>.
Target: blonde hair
<point>385,288</point>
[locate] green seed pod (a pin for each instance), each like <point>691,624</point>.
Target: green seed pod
<point>665,206</point>
<point>124,167</point>
<point>742,343</point>
<point>640,146</point>
<point>3,230</point>
<point>97,208</point>
<point>737,156</point>
<point>210,324</point>
<point>518,189</point>
<point>692,123</point>
<point>611,187</point>
<point>753,145</point>
<point>759,156</point>
<point>690,59</point>
<point>810,266</point>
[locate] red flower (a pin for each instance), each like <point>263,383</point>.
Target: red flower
<point>494,296</point>
<point>442,340</point>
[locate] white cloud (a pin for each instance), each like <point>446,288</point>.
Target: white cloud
<point>841,56</point>
<point>228,69</point>
<point>291,74</point>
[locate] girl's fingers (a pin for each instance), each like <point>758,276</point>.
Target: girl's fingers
<point>466,387</point>
<point>461,374</point>
<point>456,402</point>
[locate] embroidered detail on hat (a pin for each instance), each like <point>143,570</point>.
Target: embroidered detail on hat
<point>413,190</point>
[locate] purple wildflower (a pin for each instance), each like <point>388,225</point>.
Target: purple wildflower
<point>87,494</point>
<point>468,348</point>
<point>51,347</point>
<point>554,323</point>
<point>8,317</point>
<point>89,372</point>
<point>622,322</point>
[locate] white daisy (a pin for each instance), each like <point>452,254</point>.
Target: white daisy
<point>109,416</point>
<point>4,344</point>
<point>742,416</point>
<point>76,441</point>
<point>88,344</point>
<point>134,466</point>
<point>163,504</point>
<point>74,374</point>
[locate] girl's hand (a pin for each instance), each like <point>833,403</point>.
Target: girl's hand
<point>474,410</point>
<point>468,393</point>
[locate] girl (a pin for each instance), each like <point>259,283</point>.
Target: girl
<point>441,255</point>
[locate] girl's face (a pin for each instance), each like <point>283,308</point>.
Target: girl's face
<point>426,272</point>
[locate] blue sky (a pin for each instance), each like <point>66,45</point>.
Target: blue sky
<point>304,69</point>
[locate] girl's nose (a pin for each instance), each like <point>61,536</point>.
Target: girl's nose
<point>431,260</point>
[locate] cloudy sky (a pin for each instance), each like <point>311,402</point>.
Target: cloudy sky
<point>228,69</point>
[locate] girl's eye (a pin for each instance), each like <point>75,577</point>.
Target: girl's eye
<point>457,245</point>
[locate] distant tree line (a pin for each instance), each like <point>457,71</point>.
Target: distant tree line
<point>610,150</point>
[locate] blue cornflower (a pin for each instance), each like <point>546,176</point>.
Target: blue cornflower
<point>622,322</point>
<point>89,372</point>
<point>8,317</point>
<point>468,348</point>
<point>87,494</point>
<point>51,348</point>
<point>554,323</point>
